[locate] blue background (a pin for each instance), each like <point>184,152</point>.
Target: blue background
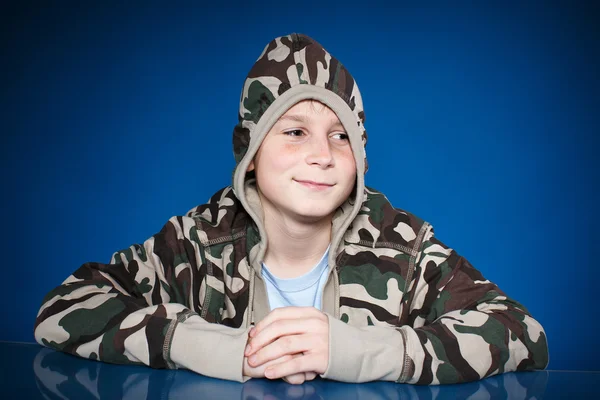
<point>482,119</point>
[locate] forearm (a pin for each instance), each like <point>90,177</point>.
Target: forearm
<point>107,326</point>
<point>464,346</point>
<point>458,347</point>
<point>463,327</point>
<point>209,349</point>
<point>137,307</point>
<point>103,327</point>
<point>364,354</point>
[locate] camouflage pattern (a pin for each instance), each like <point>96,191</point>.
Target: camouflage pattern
<point>457,325</point>
<point>389,270</point>
<point>392,272</point>
<point>286,62</point>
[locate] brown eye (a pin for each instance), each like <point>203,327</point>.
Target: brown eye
<point>294,133</point>
<point>340,136</point>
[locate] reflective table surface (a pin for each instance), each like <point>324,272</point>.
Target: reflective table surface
<point>30,371</point>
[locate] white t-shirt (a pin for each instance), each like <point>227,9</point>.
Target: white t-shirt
<point>303,291</point>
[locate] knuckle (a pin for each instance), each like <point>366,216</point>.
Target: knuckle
<point>318,325</point>
<point>277,324</point>
<point>297,363</point>
<point>286,342</point>
<point>261,356</point>
<point>324,340</point>
<point>276,312</point>
<point>255,333</point>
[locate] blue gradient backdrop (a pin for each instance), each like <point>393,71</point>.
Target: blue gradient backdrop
<point>482,119</point>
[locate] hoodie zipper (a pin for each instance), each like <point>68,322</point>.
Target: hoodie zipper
<point>336,295</point>
<point>250,319</point>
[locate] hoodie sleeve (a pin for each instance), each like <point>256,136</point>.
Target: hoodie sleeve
<point>136,310</point>
<point>461,327</point>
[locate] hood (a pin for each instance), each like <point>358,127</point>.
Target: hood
<point>290,69</point>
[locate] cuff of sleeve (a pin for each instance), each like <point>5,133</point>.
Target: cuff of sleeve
<point>363,354</point>
<point>210,350</point>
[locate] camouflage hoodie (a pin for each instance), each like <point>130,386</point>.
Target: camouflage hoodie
<point>401,305</point>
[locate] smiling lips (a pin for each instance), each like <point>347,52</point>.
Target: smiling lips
<point>314,185</point>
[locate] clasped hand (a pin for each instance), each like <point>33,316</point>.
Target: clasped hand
<point>290,343</point>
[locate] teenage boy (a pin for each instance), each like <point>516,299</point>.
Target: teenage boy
<point>297,269</point>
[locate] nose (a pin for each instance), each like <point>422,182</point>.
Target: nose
<point>319,152</point>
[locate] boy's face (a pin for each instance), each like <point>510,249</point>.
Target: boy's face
<point>304,167</point>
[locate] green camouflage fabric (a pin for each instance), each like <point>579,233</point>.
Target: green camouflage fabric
<point>287,62</point>
<point>388,271</point>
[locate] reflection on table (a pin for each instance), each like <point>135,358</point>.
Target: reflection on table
<point>61,375</point>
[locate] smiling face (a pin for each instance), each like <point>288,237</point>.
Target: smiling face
<point>304,167</point>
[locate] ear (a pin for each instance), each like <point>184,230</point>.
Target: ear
<point>250,166</point>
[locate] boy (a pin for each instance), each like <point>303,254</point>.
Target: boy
<point>298,269</point>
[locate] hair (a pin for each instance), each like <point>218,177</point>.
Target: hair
<point>314,104</point>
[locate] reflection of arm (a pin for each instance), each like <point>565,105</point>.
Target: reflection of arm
<point>62,376</point>
<point>136,310</point>
<point>461,328</point>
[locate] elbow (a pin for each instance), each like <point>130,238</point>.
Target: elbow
<point>530,350</point>
<point>45,335</point>
<point>48,330</point>
<point>538,354</point>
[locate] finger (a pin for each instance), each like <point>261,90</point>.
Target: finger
<point>306,363</point>
<point>309,376</point>
<point>272,332</point>
<point>285,345</point>
<point>295,379</point>
<point>259,372</point>
<point>283,328</point>
<point>284,313</point>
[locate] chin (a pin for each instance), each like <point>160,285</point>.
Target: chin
<point>314,215</point>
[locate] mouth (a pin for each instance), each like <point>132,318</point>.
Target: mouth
<point>314,185</point>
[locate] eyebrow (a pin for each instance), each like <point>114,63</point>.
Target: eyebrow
<point>304,119</point>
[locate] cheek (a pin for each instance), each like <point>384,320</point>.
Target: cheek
<point>278,159</point>
<point>348,165</point>
<point>279,163</point>
<point>284,157</point>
